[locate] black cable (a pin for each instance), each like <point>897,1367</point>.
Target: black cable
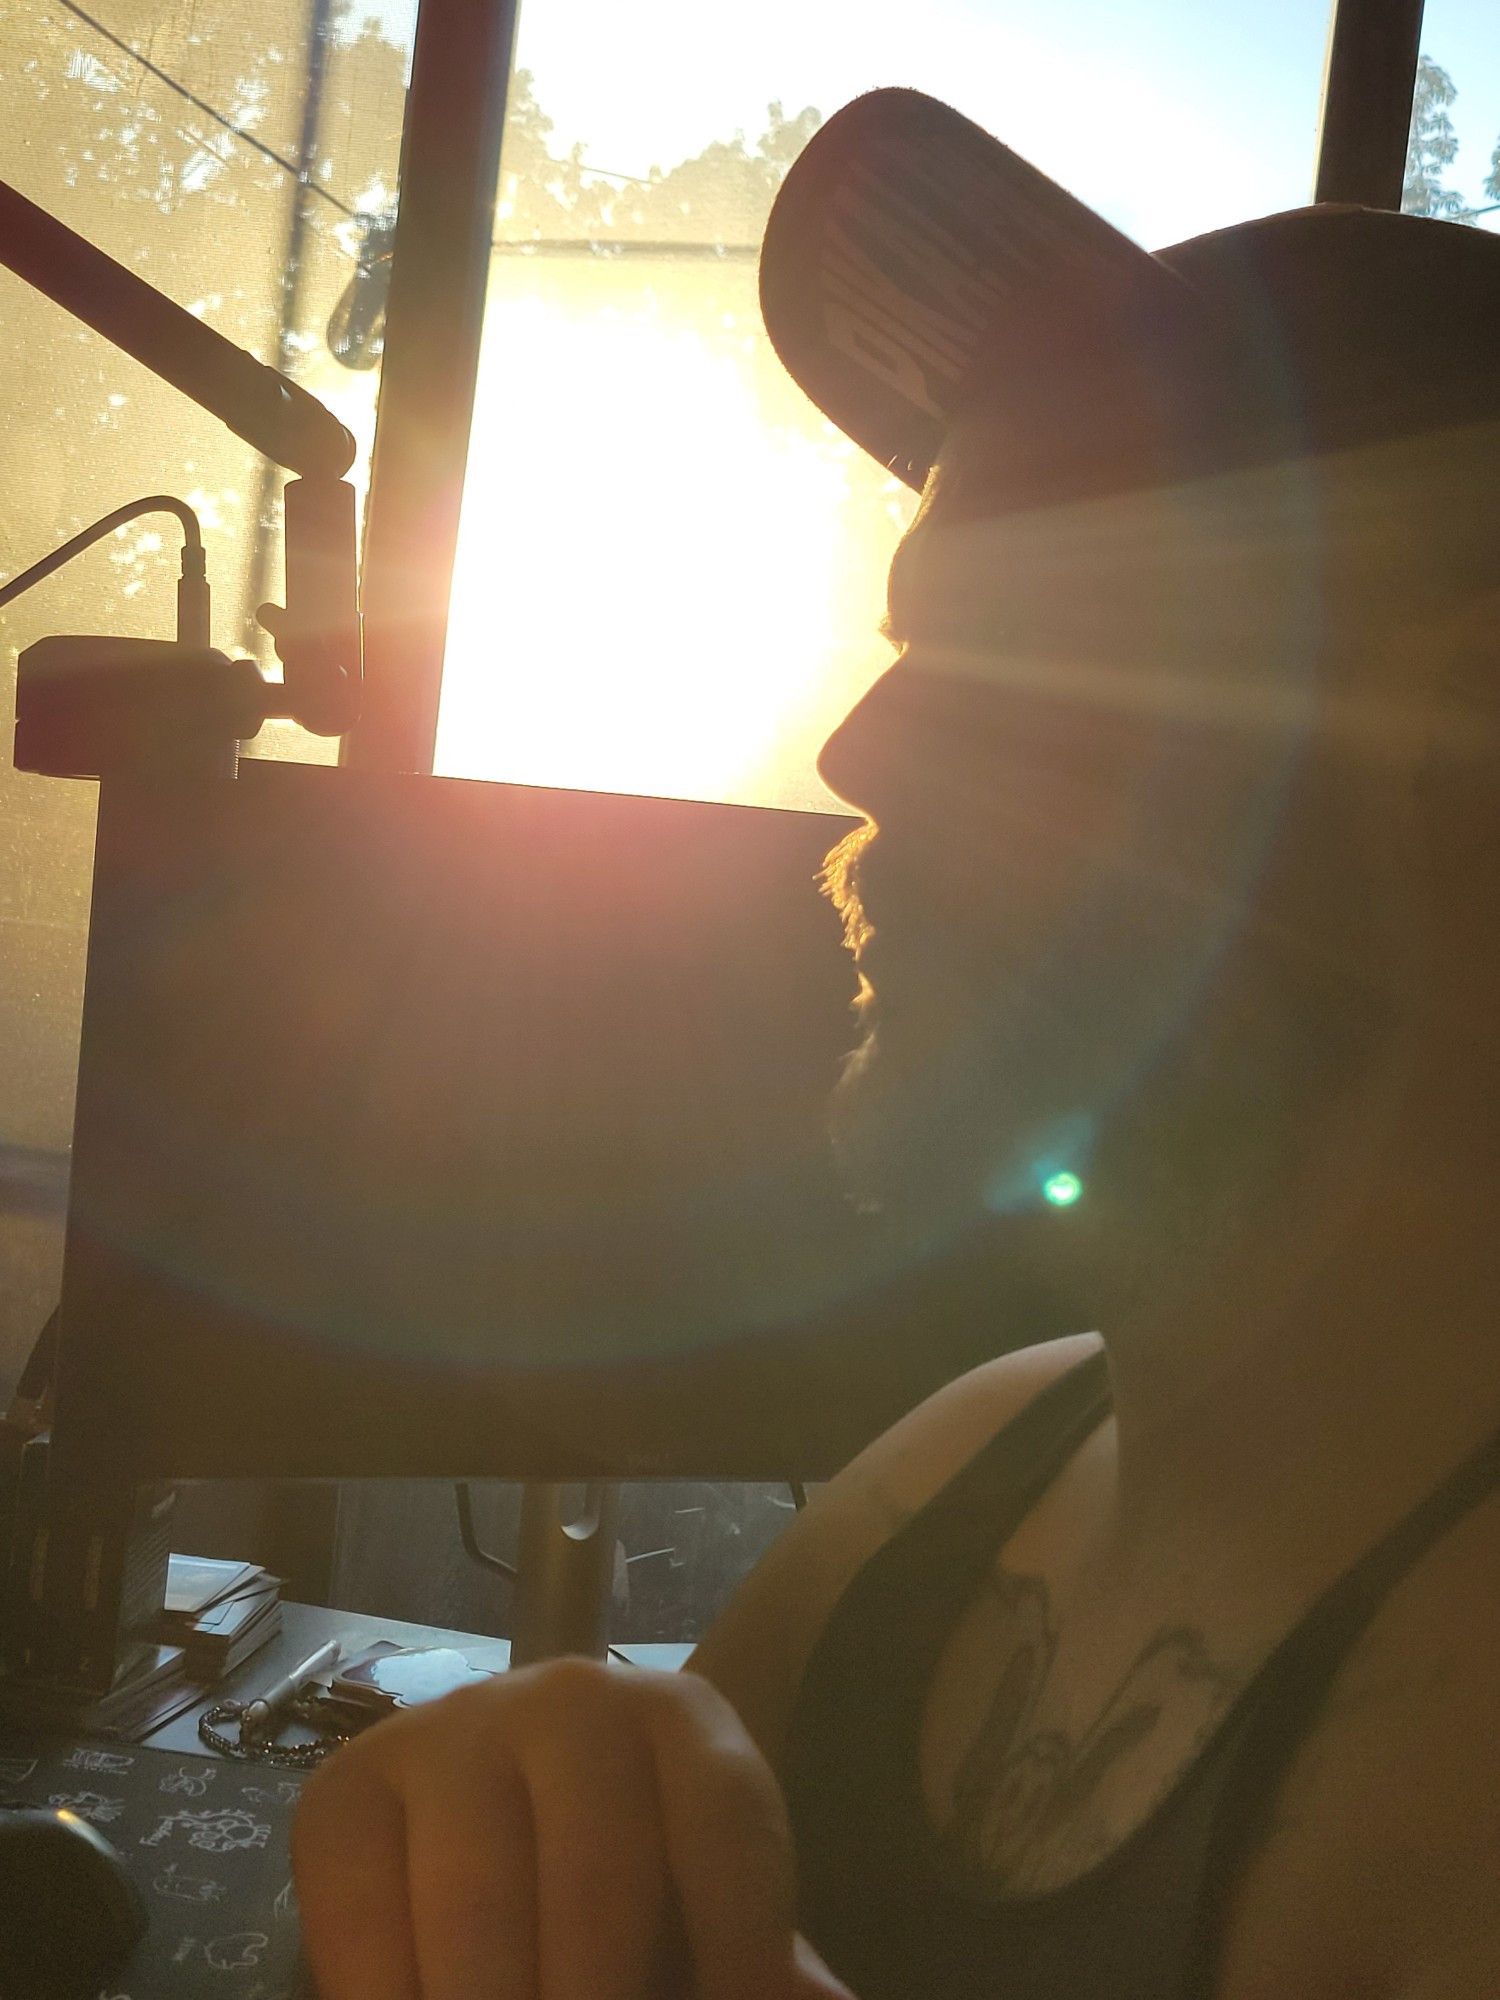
<point>249,138</point>
<point>154,503</point>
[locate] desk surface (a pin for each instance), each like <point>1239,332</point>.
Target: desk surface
<point>205,1840</point>
<point>305,1627</point>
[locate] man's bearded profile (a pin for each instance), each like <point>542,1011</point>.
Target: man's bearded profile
<point>1154,613</point>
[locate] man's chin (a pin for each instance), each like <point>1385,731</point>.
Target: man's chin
<point>858,1151</point>
<point>927,1146</point>
<point>908,1136</point>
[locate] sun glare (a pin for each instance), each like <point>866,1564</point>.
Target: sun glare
<point>653,564</point>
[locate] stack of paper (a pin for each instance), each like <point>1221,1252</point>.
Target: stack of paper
<point>219,1612</point>
<point>152,1685</point>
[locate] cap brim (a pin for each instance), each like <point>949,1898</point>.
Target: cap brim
<point>904,244</point>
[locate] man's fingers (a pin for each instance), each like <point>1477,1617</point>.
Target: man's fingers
<point>730,1852</point>
<point>349,1857</point>
<point>471,1880</point>
<point>577,1834</point>
<point>603,1893</point>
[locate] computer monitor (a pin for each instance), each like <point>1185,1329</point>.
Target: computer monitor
<point>430,1127</point>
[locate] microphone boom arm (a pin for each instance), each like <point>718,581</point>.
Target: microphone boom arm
<point>260,405</point>
<point>318,634</point>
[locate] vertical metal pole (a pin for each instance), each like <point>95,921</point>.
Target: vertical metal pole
<point>565,1574</point>
<point>268,479</point>
<point>450,161</point>
<point>1373,46</point>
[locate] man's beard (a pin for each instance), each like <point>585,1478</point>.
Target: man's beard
<point>904,1145</point>
<point>947,1108</point>
<point>1007,1030</point>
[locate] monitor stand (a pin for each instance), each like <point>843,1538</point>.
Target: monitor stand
<point>564,1572</point>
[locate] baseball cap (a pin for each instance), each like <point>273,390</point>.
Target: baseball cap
<point>912,264</point>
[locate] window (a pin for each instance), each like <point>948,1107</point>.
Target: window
<point>670,566</point>
<point>1453,157</point>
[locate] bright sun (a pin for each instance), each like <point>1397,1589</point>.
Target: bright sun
<point>658,584</point>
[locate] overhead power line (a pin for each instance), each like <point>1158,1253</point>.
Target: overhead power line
<point>267,152</point>
<point>606,248</point>
<point>248,138</point>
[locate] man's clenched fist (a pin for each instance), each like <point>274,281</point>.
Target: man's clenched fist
<point>564,1832</point>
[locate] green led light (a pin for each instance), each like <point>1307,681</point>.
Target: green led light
<point>1062,1190</point>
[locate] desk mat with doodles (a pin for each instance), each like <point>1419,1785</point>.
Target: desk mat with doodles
<point>206,1842</point>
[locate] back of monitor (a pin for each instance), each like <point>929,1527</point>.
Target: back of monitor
<point>424,1126</point>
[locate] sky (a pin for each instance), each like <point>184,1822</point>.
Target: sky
<point>1170,116</point>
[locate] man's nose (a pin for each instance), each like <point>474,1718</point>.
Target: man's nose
<point>911,736</point>
<point>856,761</point>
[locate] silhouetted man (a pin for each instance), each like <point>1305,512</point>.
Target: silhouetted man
<point>1163,1667</point>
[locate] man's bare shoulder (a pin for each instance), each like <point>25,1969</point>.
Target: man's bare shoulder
<point>1385,1854</point>
<point>759,1647</point>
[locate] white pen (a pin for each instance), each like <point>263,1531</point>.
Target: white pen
<point>258,1717</point>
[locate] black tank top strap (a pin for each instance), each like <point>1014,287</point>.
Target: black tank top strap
<point>849,1756</point>
<point>1146,1924</point>
<point>1281,1706</point>
<point>945,1550</point>
<point>1343,1611</point>
<point>989,1497</point>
